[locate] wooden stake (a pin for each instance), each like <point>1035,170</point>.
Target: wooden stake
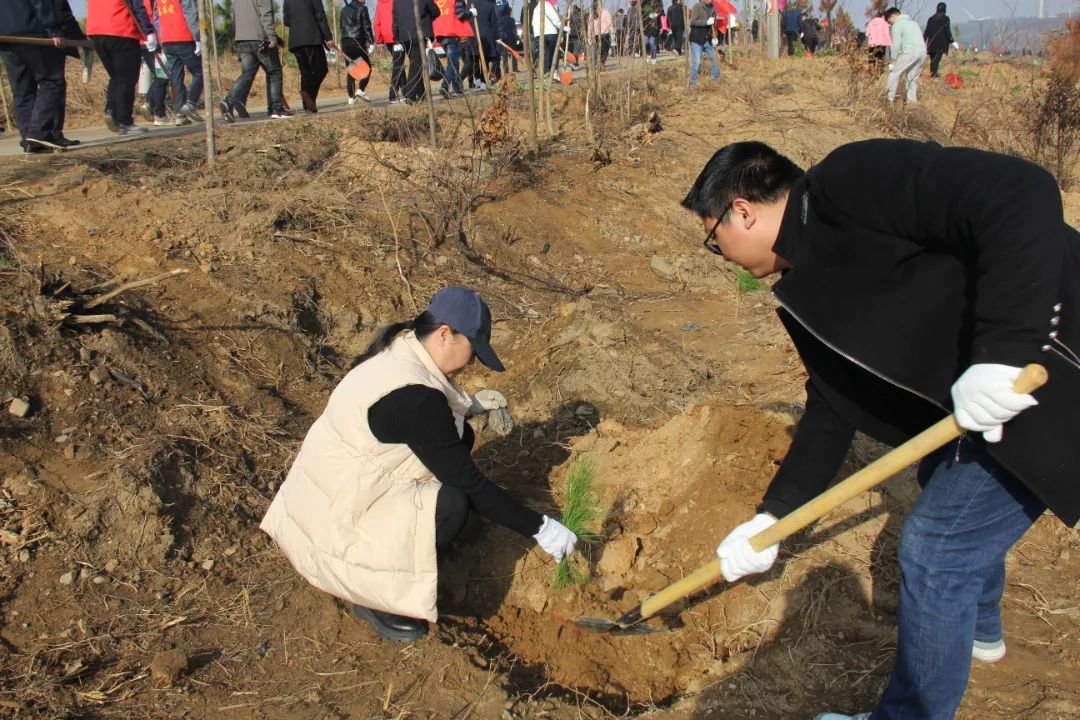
<point>211,143</point>
<point>213,48</point>
<point>3,95</point>
<point>427,72</point>
<point>534,139</point>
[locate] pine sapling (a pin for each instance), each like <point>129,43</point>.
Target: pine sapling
<point>580,513</point>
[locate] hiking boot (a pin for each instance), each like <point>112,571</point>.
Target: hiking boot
<point>282,114</point>
<point>988,652</point>
<point>227,112</point>
<point>188,111</point>
<point>392,627</point>
<point>111,124</point>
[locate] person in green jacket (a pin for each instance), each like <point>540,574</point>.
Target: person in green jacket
<point>908,54</point>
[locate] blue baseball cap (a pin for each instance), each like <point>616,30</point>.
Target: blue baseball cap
<point>464,311</point>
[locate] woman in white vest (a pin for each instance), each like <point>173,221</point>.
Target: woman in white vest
<point>384,478</point>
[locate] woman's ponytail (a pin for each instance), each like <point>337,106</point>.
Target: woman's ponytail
<point>423,325</point>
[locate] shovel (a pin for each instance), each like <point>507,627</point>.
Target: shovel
<point>937,435</point>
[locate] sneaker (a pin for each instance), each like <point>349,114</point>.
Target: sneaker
<point>226,109</point>
<point>163,121</point>
<point>481,87</point>
<point>32,148</point>
<point>282,114</point>
<point>352,101</point>
<point>44,144</point>
<point>68,142</point>
<point>131,130</point>
<point>362,95</point>
<point>180,121</point>
<point>111,124</point>
<point>838,716</point>
<point>988,652</point>
<point>445,92</point>
<point>188,111</point>
<point>392,627</point>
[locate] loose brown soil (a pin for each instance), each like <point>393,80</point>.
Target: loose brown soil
<point>136,583</point>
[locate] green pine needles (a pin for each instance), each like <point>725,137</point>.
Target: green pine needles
<point>580,514</point>
<point>745,282</point>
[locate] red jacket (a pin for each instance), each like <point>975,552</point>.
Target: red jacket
<point>117,18</point>
<point>447,24</point>
<point>384,23</point>
<point>177,20</point>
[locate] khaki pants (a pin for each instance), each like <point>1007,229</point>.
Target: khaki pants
<point>910,63</point>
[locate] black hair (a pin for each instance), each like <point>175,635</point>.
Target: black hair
<point>749,170</point>
<point>423,325</point>
<point>892,11</point>
<point>941,7</point>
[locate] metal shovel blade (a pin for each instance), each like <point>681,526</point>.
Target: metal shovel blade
<point>600,625</point>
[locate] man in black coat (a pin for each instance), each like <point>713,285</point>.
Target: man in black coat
<point>309,33</point>
<point>911,294</point>
<point>676,17</point>
<point>357,36</point>
<point>487,22</point>
<point>938,36</point>
<point>36,72</point>
<point>413,39</point>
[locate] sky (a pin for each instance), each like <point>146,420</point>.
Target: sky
<point>857,8</point>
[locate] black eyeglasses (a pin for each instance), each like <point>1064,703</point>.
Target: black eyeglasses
<point>710,244</point>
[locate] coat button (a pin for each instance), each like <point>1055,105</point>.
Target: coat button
<point>1052,335</point>
<point>1054,321</point>
<point>1057,308</point>
<point>1045,348</point>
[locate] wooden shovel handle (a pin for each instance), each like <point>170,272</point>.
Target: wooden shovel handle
<point>938,434</point>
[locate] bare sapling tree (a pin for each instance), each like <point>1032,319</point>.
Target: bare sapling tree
<point>426,66</point>
<point>211,143</point>
<point>530,67</point>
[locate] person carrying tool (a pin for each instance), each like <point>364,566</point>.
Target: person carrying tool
<point>356,38</point>
<point>911,295</point>
<point>36,72</point>
<point>384,480</point>
<point>384,35</point>
<point>414,39</point>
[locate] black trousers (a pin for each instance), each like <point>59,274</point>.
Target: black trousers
<point>452,505</point>
<point>415,82</point>
<point>353,49</point>
<point>39,88</point>
<point>677,41</point>
<point>791,38</point>
<point>311,59</point>
<point>122,59</point>
<point>935,63</point>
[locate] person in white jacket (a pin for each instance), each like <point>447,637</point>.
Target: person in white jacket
<point>384,480</point>
<point>908,53</point>
<point>545,17</point>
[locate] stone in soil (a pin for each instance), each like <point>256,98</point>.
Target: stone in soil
<point>167,667</point>
<point>19,407</point>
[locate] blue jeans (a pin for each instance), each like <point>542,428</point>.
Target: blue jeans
<point>952,575</point>
<point>452,75</point>
<point>181,56</point>
<point>252,56</point>
<point>695,60</point>
<point>652,42</point>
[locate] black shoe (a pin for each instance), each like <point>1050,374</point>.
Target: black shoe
<point>308,102</point>
<point>43,144</point>
<point>226,109</point>
<point>392,627</point>
<point>240,109</point>
<point>31,148</point>
<point>68,142</point>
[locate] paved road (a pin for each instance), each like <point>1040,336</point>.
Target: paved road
<point>97,137</point>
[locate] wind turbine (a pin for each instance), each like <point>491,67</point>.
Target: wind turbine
<point>982,38</point>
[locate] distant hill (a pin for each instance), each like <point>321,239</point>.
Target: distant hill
<point>1015,33</point>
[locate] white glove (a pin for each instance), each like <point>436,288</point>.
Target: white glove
<point>956,46</point>
<point>472,11</point>
<point>486,400</point>
<point>891,65</point>
<point>151,42</point>
<point>984,400</point>
<point>198,47</point>
<point>556,539</point>
<point>737,558</point>
<point>710,21</point>
<point>370,50</point>
<point>399,48</point>
<point>715,42</point>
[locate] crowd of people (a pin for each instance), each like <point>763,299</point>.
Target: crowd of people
<point>152,52</point>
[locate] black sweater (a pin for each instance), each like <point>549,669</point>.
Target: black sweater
<point>420,417</point>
